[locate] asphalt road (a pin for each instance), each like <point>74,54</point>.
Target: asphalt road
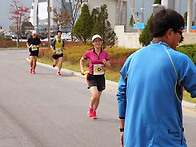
<point>46,110</point>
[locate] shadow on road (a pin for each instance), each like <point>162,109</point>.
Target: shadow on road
<point>108,120</point>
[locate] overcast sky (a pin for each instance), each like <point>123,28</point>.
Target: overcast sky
<point>5,8</point>
<point>4,11</point>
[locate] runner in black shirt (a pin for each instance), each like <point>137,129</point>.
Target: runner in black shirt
<point>33,44</point>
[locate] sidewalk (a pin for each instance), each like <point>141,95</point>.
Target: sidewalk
<point>184,103</point>
<point>189,105</point>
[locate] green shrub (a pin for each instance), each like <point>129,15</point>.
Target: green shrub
<point>118,56</point>
<point>116,64</point>
<point>73,54</point>
<point>189,50</point>
<point>47,54</point>
<point>83,27</point>
<point>116,52</point>
<point>5,39</point>
<point>145,37</point>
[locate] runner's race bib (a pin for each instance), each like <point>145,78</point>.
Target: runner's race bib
<point>98,69</point>
<point>34,47</point>
<point>59,50</point>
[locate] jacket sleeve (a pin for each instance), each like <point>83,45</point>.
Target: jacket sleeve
<point>188,76</point>
<point>122,87</point>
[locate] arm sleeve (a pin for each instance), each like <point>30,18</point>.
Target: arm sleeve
<point>53,42</point>
<point>188,76</point>
<point>39,41</point>
<point>86,55</point>
<point>122,88</point>
<point>28,40</point>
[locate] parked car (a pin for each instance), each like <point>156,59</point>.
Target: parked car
<point>46,39</point>
<point>10,35</point>
<point>66,36</point>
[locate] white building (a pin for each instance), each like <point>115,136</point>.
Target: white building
<point>34,12</point>
<point>117,10</point>
<point>39,12</point>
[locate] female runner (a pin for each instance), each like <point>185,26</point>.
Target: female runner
<point>98,60</point>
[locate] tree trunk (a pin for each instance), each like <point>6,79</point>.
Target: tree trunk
<point>17,28</point>
<point>72,19</point>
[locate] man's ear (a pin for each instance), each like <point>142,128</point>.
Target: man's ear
<point>169,34</point>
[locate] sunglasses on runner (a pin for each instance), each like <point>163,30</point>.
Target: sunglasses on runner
<point>182,38</point>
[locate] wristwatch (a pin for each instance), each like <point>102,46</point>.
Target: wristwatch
<point>121,129</point>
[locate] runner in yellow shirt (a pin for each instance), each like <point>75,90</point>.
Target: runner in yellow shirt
<point>57,47</point>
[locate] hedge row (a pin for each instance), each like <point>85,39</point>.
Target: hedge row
<point>5,39</point>
<point>7,44</point>
<point>118,55</point>
<point>73,54</point>
<point>189,50</point>
<point>11,44</point>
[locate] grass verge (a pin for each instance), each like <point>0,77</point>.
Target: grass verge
<point>187,97</point>
<point>110,75</point>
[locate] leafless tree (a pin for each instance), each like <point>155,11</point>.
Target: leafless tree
<point>61,18</point>
<point>18,12</point>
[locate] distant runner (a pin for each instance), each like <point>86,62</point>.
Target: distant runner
<point>33,44</point>
<point>57,47</point>
<point>98,60</point>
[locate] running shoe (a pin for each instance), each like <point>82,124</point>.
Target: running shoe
<point>94,116</point>
<point>53,65</point>
<point>33,71</point>
<point>59,73</point>
<point>30,70</point>
<point>90,112</point>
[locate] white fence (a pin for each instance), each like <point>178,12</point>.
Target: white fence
<point>131,39</point>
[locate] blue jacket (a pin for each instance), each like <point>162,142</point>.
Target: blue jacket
<point>150,95</point>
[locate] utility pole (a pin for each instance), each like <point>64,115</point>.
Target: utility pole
<point>195,15</point>
<point>136,23</point>
<point>134,6</point>
<point>142,9</point>
<point>49,34</point>
<point>121,11</point>
<point>180,7</point>
<point>189,16</point>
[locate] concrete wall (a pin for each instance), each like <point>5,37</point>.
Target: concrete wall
<point>131,39</point>
<point>128,40</point>
<point>189,38</point>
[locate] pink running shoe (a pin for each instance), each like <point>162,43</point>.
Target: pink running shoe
<point>30,70</point>
<point>59,73</point>
<point>94,116</point>
<point>33,71</point>
<point>90,112</point>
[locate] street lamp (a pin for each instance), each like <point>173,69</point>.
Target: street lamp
<point>49,9</point>
<point>131,8</point>
<point>142,10</point>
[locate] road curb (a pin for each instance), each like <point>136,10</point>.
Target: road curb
<point>189,105</point>
<point>184,103</point>
<point>71,72</point>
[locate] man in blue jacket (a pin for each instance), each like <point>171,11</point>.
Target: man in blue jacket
<point>151,86</point>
